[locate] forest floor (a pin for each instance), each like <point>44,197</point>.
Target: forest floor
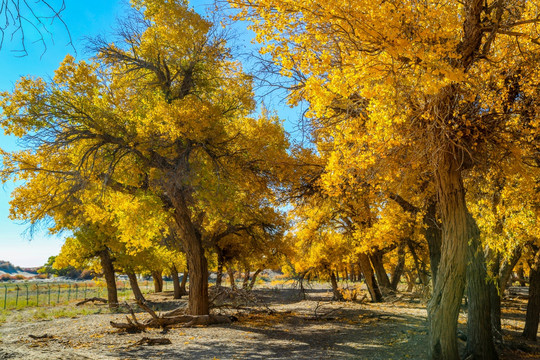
<point>272,324</point>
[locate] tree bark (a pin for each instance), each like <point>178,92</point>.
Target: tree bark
<point>400,266</point>
<point>377,262</point>
<point>480,344</point>
<point>158,281</point>
<point>443,307</point>
<point>183,290</point>
<point>335,288</point>
<point>533,305</point>
<point>110,279</point>
<point>254,279</point>
<point>176,283</point>
<point>245,283</point>
<point>198,303</point>
<point>433,235</point>
<point>230,272</point>
<point>369,276</point>
<point>219,275</point>
<point>507,268</point>
<point>137,293</point>
<point>494,259</point>
<point>521,275</point>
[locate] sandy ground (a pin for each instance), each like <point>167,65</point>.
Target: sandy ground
<point>282,326</point>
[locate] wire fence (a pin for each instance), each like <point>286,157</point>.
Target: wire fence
<point>34,294</point>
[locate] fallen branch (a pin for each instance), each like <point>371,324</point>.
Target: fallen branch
<point>94,299</point>
<point>39,337</point>
<point>171,318</point>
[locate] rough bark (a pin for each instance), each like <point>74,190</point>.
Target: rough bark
<point>480,344</point>
<point>418,264</point>
<point>495,294</point>
<point>443,308</point>
<point>198,303</point>
<point>110,279</point>
<point>377,262</point>
<point>177,292</point>
<point>158,281</point>
<point>369,276</point>
<point>521,275</point>
<point>533,305</point>
<point>245,282</point>
<point>507,268</point>
<point>137,293</point>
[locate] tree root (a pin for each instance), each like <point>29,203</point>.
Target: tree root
<point>152,341</point>
<point>171,318</point>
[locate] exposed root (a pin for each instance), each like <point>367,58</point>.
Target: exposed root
<point>94,299</point>
<point>152,341</point>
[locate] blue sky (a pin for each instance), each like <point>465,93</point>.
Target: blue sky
<point>84,19</point>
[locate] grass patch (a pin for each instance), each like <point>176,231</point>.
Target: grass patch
<point>64,312</point>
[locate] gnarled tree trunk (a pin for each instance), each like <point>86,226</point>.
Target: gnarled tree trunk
<point>183,290</point>
<point>254,279</point>
<point>335,288</point>
<point>400,266</point>
<point>110,279</point>
<point>230,272</point>
<point>377,262</point>
<point>219,275</point>
<point>158,281</point>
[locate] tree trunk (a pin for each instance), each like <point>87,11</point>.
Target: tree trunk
<point>335,288</point>
<point>110,279</point>
<point>400,266</point>
<point>521,275</point>
<point>254,278</point>
<point>137,293</point>
<point>495,294</point>
<point>507,268</point>
<point>443,308</point>
<point>176,283</point>
<point>420,268</point>
<point>183,290</point>
<point>230,272</point>
<point>369,276</point>
<point>197,265</point>
<point>245,283</point>
<point>433,235</point>
<point>158,281</point>
<point>377,262</point>
<point>480,344</point>
<point>219,275</point>
<point>533,305</point>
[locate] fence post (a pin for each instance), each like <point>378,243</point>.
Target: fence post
<point>58,295</point>
<point>69,291</point>
<point>5,296</point>
<point>17,288</point>
<point>27,295</point>
<point>85,289</point>
<point>76,290</point>
<point>37,294</point>
<point>49,294</point>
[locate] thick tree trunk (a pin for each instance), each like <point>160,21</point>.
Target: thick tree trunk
<point>443,308</point>
<point>183,290</point>
<point>158,281</point>
<point>494,259</point>
<point>400,266</point>
<point>521,276</point>
<point>480,344</point>
<point>335,288</point>
<point>507,268</point>
<point>254,279</point>
<point>377,262</point>
<point>110,279</point>
<point>176,283</point>
<point>369,276</point>
<point>230,272</point>
<point>197,265</point>
<point>533,305</point>
<point>137,293</point>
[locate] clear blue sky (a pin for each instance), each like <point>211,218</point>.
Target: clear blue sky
<point>84,19</point>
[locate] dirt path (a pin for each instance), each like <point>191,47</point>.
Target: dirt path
<point>295,329</point>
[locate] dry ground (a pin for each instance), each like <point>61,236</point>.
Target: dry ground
<point>282,325</point>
